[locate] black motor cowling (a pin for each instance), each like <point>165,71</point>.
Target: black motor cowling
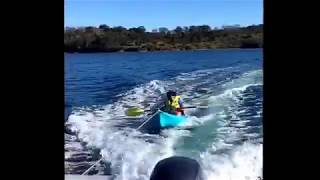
<point>177,168</point>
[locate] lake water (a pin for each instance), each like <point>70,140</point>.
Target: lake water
<point>226,138</point>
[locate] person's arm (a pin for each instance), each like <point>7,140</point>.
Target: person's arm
<point>181,103</point>
<point>181,106</point>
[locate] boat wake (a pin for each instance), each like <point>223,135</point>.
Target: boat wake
<point>226,138</point>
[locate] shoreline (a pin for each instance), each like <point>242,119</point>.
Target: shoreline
<point>193,38</point>
<point>146,51</point>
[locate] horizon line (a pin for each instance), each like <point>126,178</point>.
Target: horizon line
<point>182,26</point>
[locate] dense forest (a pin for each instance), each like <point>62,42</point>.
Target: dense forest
<point>107,39</point>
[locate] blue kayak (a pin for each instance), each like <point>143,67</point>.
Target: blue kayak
<point>170,120</point>
<point>164,120</point>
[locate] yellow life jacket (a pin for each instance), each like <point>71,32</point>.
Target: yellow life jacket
<point>174,104</point>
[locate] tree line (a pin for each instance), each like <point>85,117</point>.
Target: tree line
<point>113,39</point>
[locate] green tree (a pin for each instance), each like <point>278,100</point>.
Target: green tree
<point>104,27</point>
<point>104,38</point>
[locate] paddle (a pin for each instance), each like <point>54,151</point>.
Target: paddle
<point>136,111</point>
<point>199,107</point>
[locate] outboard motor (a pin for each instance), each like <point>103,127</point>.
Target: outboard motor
<point>177,168</point>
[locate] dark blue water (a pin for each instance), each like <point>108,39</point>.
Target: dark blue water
<point>100,87</point>
<point>96,79</point>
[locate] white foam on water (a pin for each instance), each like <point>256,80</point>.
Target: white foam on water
<point>133,154</point>
<point>250,78</point>
<point>193,121</point>
<point>217,104</point>
<point>239,162</point>
<point>84,126</point>
<point>201,73</point>
<point>132,157</point>
<point>242,163</point>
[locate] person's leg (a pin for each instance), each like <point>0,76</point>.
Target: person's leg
<point>180,111</point>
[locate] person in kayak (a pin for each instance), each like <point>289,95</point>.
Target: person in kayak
<point>173,103</point>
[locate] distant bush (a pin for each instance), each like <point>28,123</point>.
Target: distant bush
<point>251,43</point>
<point>107,39</point>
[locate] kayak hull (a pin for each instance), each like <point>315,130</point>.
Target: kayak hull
<point>162,120</point>
<point>170,120</point>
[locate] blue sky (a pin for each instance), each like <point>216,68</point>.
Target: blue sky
<point>162,13</point>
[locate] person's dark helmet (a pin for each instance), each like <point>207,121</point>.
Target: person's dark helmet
<point>170,94</point>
